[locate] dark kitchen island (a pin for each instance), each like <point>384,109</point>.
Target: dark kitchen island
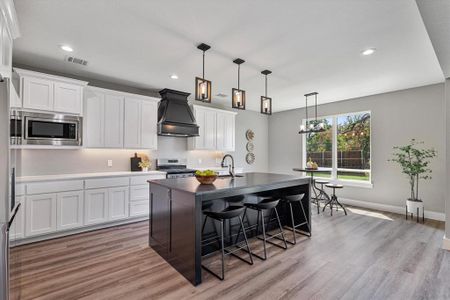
<point>176,213</point>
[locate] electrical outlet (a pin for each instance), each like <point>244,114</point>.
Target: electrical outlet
<point>110,163</point>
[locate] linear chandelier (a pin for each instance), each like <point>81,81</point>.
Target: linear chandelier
<point>311,126</point>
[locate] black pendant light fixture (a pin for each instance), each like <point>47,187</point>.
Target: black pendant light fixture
<point>311,126</point>
<point>203,86</point>
<point>238,95</point>
<point>266,102</point>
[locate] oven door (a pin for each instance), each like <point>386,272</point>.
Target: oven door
<point>56,130</point>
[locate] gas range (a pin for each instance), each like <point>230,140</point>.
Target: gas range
<point>174,167</point>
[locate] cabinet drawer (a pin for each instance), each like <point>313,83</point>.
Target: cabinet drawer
<point>139,192</point>
<point>139,208</point>
<point>54,186</point>
<point>140,180</point>
<point>106,182</point>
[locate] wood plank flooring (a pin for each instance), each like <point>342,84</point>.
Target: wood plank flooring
<point>365,255</point>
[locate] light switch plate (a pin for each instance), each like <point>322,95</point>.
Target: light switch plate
<point>110,163</point>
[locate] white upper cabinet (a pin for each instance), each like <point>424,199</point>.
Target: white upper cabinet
<point>113,121</point>
<point>217,129</point>
<point>94,120</point>
<point>9,30</point>
<point>140,123</point>
<point>133,125</point>
<point>39,91</point>
<point>119,120</point>
<point>67,98</point>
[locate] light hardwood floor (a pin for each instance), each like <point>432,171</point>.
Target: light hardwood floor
<point>365,255</point>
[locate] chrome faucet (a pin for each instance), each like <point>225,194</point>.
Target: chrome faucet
<point>230,168</point>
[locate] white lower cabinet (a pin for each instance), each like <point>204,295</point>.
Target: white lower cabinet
<point>69,210</point>
<point>40,214</point>
<point>118,203</point>
<point>95,206</point>
<point>139,208</point>
<point>17,230</point>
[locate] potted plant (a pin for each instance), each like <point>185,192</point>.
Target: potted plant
<point>414,162</point>
<point>144,165</point>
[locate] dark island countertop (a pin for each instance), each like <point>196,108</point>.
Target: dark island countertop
<point>248,183</point>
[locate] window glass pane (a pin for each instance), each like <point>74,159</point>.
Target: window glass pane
<point>319,147</point>
<point>353,146</point>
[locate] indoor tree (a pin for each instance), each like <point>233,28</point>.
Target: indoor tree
<point>414,162</point>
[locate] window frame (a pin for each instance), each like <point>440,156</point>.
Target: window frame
<point>334,154</point>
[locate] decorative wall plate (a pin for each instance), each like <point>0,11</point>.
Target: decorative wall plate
<point>250,135</point>
<point>250,158</point>
<point>250,147</point>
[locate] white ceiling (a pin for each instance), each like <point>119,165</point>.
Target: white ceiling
<point>436,16</point>
<point>309,45</point>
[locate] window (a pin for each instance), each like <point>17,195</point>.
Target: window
<point>343,148</point>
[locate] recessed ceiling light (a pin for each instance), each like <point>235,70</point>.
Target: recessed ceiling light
<point>174,76</point>
<point>66,48</point>
<point>368,51</point>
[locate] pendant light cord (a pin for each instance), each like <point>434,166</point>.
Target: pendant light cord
<point>266,86</point>
<point>239,72</point>
<point>203,65</point>
<point>306,123</point>
<point>315,96</point>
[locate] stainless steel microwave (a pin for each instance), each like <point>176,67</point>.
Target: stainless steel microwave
<point>30,128</point>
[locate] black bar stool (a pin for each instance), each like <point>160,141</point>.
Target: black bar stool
<point>265,203</point>
<point>227,214</point>
<point>334,199</point>
<point>290,200</point>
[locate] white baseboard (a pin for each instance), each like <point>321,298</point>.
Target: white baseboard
<point>446,243</point>
<point>391,208</point>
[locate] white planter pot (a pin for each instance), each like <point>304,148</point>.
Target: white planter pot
<point>144,169</point>
<point>413,205</point>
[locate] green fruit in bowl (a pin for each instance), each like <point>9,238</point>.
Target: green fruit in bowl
<point>205,173</point>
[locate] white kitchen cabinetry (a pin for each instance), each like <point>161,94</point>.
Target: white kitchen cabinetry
<point>217,129</point>
<point>119,120</point>
<point>67,98</point>
<point>95,206</point>
<point>40,214</point>
<point>17,230</point>
<point>39,91</point>
<point>118,203</point>
<point>49,207</point>
<point>103,119</point>
<point>140,123</point>
<point>69,210</point>
<point>94,120</point>
<point>8,31</point>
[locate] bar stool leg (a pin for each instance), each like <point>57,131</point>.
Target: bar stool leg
<point>246,241</point>
<point>222,244</point>
<point>264,235</point>
<point>307,222</point>
<point>281,228</point>
<point>293,224</point>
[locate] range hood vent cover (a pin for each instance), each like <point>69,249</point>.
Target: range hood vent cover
<point>175,117</point>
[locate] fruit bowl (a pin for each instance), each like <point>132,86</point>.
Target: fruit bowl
<point>206,179</point>
<point>206,176</point>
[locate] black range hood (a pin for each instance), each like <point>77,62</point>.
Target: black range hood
<point>175,117</point>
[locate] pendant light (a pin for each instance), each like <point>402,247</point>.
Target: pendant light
<point>266,102</point>
<point>311,126</point>
<point>238,95</point>
<point>203,86</point>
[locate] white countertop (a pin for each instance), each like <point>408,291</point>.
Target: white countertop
<point>85,175</point>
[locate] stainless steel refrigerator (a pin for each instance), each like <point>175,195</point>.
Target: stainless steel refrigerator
<point>8,206</point>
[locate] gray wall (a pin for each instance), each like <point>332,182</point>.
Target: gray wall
<point>44,162</point>
<point>396,118</point>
